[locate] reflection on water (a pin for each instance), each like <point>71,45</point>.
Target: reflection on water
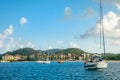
<point>55,71</point>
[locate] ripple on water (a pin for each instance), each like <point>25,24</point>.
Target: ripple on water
<point>55,71</point>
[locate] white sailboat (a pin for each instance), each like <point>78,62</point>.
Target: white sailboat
<point>40,61</point>
<point>98,63</point>
<point>47,60</point>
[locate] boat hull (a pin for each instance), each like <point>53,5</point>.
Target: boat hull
<point>46,62</point>
<point>40,61</point>
<point>96,65</point>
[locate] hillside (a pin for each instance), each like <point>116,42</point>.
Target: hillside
<point>71,50</point>
<point>29,51</point>
<point>51,51</point>
<point>24,51</point>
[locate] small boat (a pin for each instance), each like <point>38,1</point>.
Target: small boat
<point>47,62</point>
<point>60,61</point>
<point>4,61</point>
<point>39,61</point>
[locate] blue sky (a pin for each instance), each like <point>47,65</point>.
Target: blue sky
<point>35,23</point>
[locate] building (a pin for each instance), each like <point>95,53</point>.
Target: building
<point>7,57</point>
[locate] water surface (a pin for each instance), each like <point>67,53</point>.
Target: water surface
<point>56,71</point>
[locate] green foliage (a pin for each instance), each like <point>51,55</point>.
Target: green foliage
<point>24,52</point>
<point>0,57</point>
<point>71,50</point>
<point>111,56</point>
<point>32,55</point>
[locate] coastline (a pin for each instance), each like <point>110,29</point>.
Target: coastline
<point>64,61</point>
<point>113,60</point>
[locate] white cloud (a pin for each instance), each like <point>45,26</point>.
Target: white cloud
<point>10,45</point>
<point>60,42</point>
<point>111,28</point>
<point>89,13</point>
<point>7,48</point>
<point>67,13</point>
<point>23,21</point>
<point>74,45</point>
<point>49,47</point>
<point>114,42</point>
<point>11,40</point>
<point>29,44</point>
<point>6,33</point>
<point>113,2</point>
<point>1,44</point>
<point>21,44</point>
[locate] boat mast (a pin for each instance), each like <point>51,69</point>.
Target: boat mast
<point>102,28</point>
<point>48,52</point>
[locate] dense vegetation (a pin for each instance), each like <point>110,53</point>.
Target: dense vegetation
<point>23,51</point>
<point>111,56</point>
<point>29,51</point>
<point>71,50</point>
<point>32,54</point>
<point>54,54</point>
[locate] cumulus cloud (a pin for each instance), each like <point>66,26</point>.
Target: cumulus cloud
<point>89,13</point>
<point>23,21</point>
<point>11,40</point>
<point>10,45</point>
<point>60,42</point>
<point>25,44</point>
<point>113,2</point>
<point>67,13</point>
<point>7,47</point>
<point>74,45</point>
<point>111,27</point>
<point>1,44</point>
<point>21,46</point>
<point>49,47</point>
<point>29,44</point>
<point>5,34</point>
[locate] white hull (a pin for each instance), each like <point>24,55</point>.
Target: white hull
<point>4,61</point>
<point>40,61</point>
<point>96,65</point>
<point>46,62</point>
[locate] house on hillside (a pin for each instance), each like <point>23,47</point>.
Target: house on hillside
<point>7,57</point>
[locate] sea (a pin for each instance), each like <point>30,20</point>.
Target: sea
<point>57,71</point>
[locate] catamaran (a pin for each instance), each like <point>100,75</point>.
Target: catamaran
<point>97,62</point>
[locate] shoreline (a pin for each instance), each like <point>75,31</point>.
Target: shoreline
<point>64,61</point>
<point>113,60</point>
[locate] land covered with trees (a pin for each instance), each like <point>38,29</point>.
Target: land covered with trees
<point>29,54</point>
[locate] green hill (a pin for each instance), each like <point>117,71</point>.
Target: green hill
<point>71,50</point>
<point>24,51</point>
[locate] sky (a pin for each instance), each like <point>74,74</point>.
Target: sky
<point>43,24</point>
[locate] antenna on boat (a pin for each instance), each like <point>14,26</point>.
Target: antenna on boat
<point>102,41</point>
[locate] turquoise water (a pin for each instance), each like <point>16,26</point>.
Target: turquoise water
<point>55,71</point>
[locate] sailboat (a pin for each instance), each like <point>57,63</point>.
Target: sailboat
<point>41,59</point>
<point>47,60</point>
<point>97,62</point>
<point>61,60</point>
